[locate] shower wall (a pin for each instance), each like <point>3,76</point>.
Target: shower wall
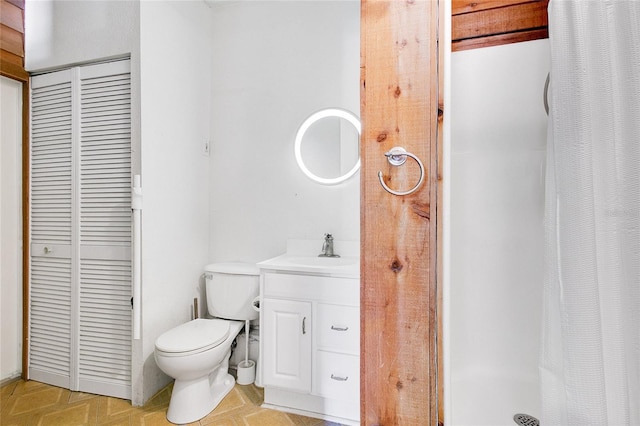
<point>498,148</point>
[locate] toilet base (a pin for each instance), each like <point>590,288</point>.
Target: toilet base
<point>192,400</point>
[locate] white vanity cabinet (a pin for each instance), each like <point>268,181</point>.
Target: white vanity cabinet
<point>310,344</point>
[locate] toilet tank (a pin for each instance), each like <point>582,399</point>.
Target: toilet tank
<point>231,288</point>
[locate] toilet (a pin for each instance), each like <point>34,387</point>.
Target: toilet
<point>196,354</point>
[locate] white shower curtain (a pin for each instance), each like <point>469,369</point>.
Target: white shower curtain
<point>590,358</point>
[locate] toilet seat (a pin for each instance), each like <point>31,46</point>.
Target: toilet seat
<point>193,337</point>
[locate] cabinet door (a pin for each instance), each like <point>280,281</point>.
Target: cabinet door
<point>287,344</point>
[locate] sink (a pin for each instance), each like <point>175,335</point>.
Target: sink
<point>311,261</point>
<point>302,256</point>
<point>347,266</point>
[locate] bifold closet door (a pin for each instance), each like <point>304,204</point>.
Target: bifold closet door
<point>50,303</point>
<point>80,310</point>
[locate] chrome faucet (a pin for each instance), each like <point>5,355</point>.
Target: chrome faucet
<point>327,247</point>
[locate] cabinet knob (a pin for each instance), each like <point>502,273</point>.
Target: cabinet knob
<point>48,250</point>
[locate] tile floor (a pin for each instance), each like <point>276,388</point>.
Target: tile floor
<point>38,404</point>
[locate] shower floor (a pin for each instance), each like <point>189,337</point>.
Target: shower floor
<point>486,400</point>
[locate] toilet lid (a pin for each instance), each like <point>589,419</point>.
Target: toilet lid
<point>197,335</point>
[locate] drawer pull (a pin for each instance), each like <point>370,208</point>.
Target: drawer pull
<point>339,378</point>
<point>304,325</point>
<point>339,328</point>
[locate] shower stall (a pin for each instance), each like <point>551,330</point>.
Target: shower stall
<point>542,244</point>
<point>498,149</point>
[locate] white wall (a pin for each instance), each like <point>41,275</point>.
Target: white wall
<point>171,75</point>
<point>10,228</point>
<point>498,148</point>
<point>175,72</point>
<point>69,32</point>
<point>275,63</point>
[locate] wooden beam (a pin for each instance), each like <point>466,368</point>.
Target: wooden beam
<point>399,107</point>
<point>467,6</point>
<point>486,23</point>
<point>496,40</point>
<point>500,21</point>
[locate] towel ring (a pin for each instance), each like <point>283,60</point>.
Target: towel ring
<point>397,157</point>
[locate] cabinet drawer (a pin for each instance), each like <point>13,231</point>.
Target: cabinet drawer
<point>308,287</point>
<point>338,328</point>
<point>337,376</point>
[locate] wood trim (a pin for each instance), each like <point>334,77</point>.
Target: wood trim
<point>496,40</point>
<point>26,226</point>
<point>11,58</point>
<point>12,41</point>
<point>486,23</point>
<point>465,6</point>
<point>10,68</point>
<point>18,3</point>
<point>499,21</point>
<point>399,107</point>
<point>439,221</point>
<point>11,16</point>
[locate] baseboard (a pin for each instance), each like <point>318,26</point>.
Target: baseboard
<point>10,379</point>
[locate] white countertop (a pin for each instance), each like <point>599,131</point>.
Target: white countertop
<point>302,256</point>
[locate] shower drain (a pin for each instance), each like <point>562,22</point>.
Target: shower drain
<point>526,420</point>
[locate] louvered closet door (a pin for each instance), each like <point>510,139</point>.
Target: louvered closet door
<point>50,341</point>
<point>104,364</point>
<point>95,219</point>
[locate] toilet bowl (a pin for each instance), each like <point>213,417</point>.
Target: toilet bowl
<point>196,353</point>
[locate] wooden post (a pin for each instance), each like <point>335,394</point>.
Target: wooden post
<point>399,107</point>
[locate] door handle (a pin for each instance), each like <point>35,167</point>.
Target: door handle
<point>339,378</point>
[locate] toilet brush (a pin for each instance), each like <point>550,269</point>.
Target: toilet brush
<point>246,368</point>
<point>246,343</point>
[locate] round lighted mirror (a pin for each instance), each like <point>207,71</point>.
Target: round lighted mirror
<point>327,146</point>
